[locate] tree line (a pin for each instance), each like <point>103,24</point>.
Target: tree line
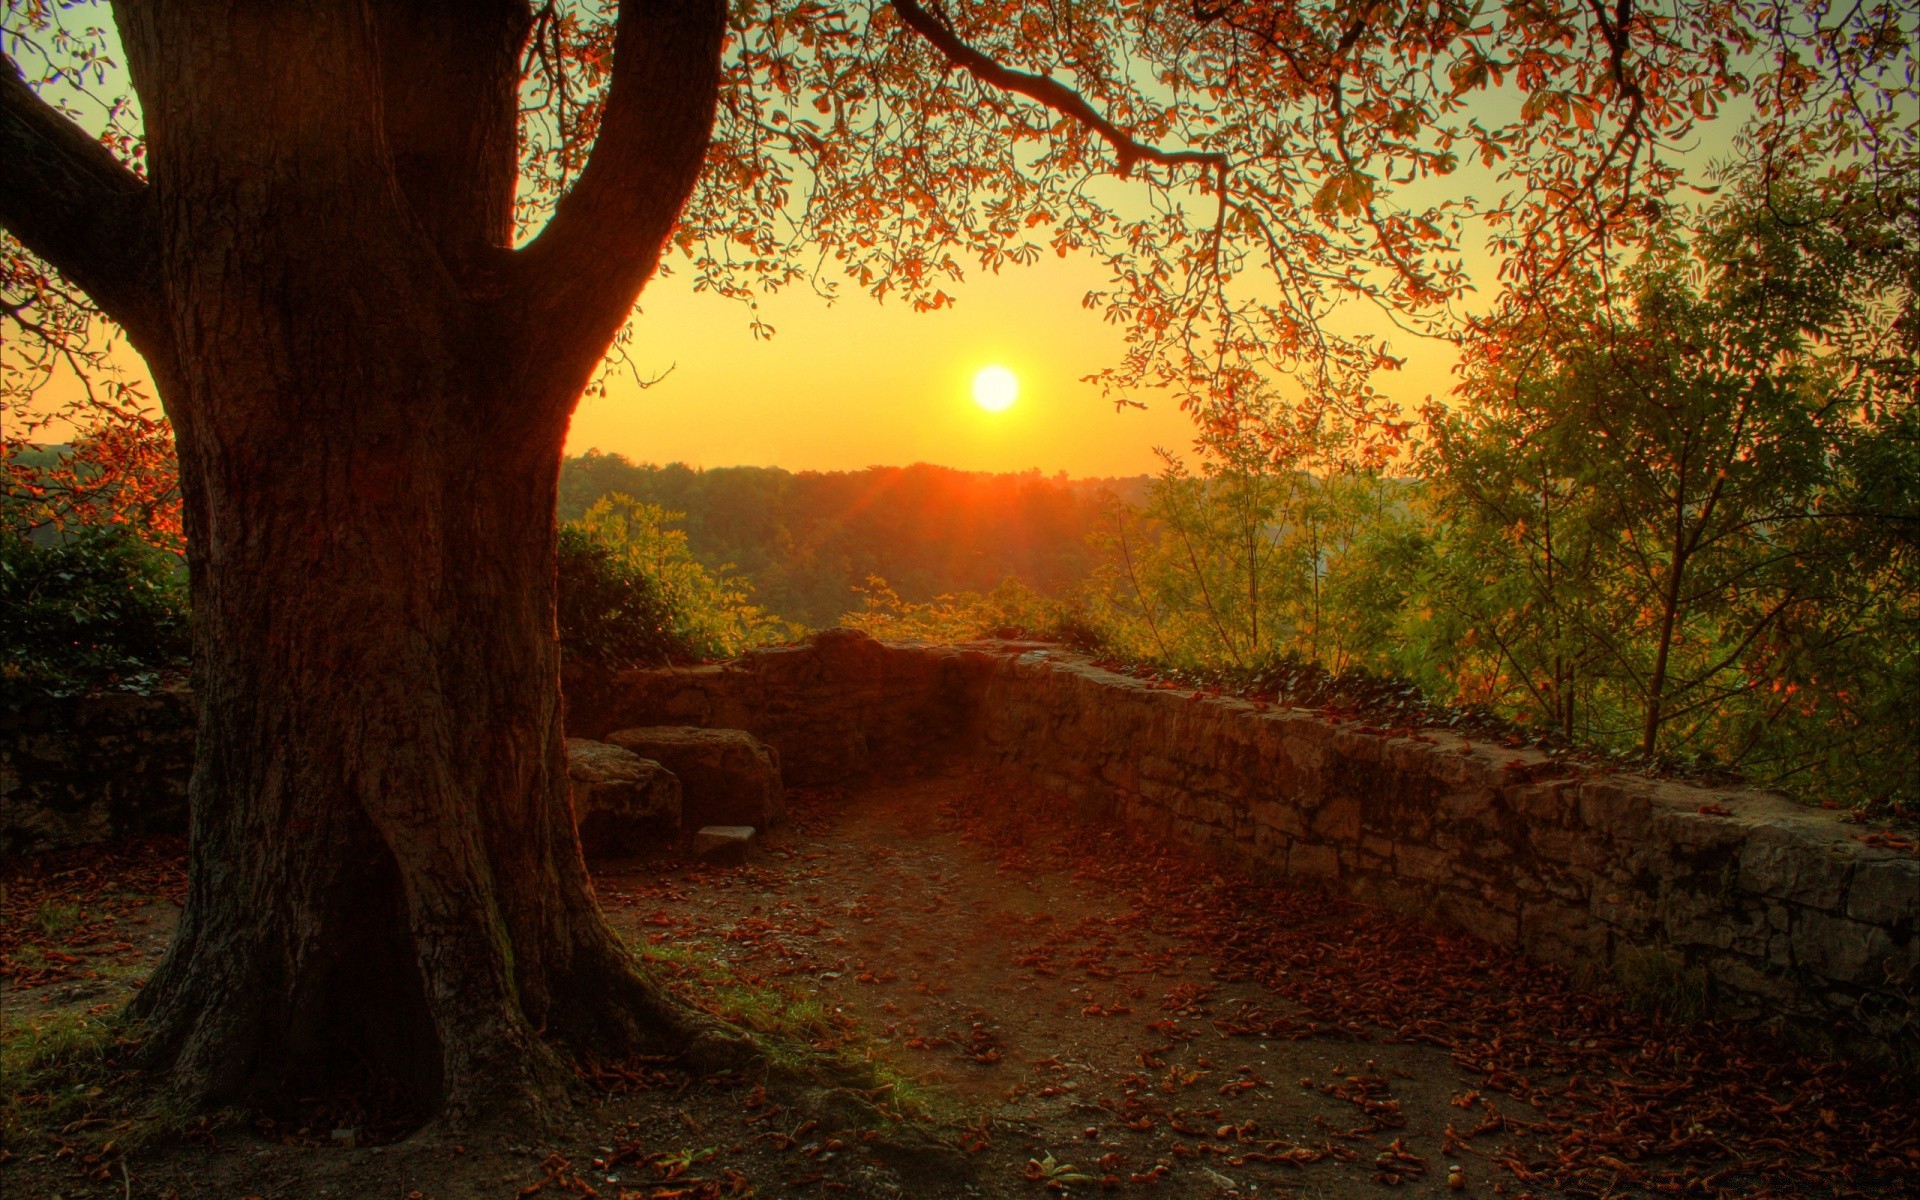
<point>809,540</point>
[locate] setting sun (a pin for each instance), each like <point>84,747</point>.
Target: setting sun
<point>995,389</point>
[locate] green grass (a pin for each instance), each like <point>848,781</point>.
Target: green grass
<point>55,919</point>
<point>64,1067</point>
<point>54,1069</point>
<point>1656,982</point>
<point>787,1025</point>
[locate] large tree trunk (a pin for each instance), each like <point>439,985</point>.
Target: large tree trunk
<point>370,392</point>
<point>385,869</point>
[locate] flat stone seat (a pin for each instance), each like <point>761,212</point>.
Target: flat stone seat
<point>727,776</point>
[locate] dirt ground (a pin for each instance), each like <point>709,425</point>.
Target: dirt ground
<point>1058,1008</point>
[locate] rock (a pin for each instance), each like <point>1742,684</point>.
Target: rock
<point>723,843</point>
<point>621,801</point>
<point>727,776</point>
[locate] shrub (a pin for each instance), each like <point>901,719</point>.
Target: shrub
<point>609,611</point>
<point>98,608</point>
<point>632,594</point>
<point>1012,609</point>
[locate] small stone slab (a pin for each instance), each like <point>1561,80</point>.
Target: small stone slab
<point>723,843</point>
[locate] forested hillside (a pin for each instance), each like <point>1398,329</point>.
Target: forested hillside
<point>807,539</point>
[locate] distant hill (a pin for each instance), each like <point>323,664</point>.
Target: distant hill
<point>807,538</point>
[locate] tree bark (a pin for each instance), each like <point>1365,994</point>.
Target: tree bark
<point>384,873</point>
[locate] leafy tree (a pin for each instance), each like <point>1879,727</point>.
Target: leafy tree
<point>607,611</point>
<point>1013,609</point>
<point>1644,473</point>
<point>373,254</point>
<point>1239,566</point>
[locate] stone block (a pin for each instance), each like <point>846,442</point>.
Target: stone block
<point>621,801</point>
<point>1306,860</point>
<point>1282,816</point>
<point>1885,892</point>
<point>1553,801</point>
<point>1562,933</point>
<point>1623,808</point>
<point>1466,806</point>
<point>1847,951</point>
<point>1414,861</point>
<point>1338,819</point>
<point>726,844</point>
<point>727,776</point>
<point>1472,915</point>
<point>1777,861</point>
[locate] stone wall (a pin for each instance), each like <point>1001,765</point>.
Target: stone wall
<point>836,708</point>
<point>1756,906</point>
<point>87,768</point>
<point>1768,909</point>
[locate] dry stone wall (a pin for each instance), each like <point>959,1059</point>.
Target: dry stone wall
<point>1745,902</point>
<point>1753,905</point>
<point>86,768</point>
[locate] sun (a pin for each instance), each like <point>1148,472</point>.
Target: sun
<point>995,389</point>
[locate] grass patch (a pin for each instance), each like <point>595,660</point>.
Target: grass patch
<point>54,1070</point>
<point>54,918</point>
<point>1655,982</point>
<point>801,1038</point>
<point>68,1089</point>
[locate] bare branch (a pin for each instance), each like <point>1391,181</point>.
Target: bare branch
<point>1050,92</point>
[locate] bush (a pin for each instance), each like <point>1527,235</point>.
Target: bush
<point>610,612</point>
<point>631,594</point>
<point>97,609</point>
<point>1013,610</point>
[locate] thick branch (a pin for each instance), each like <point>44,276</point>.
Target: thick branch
<point>70,201</point>
<point>450,73</point>
<point>579,278</point>
<point>1050,92</point>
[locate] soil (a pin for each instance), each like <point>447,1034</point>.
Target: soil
<point>1057,1008</point>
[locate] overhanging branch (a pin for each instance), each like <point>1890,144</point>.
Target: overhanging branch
<point>1049,92</point>
<point>70,201</point>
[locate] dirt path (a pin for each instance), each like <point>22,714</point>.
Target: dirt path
<point>1039,1009</point>
<point>1080,1013</point>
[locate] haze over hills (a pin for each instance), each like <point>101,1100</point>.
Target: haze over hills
<point>807,539</point>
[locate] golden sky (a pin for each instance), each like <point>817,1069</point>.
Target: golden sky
<point>858,383</point>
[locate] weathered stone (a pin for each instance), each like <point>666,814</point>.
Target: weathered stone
<point>1562,933</point>
<point>1777,860</point>
<point>1473,915</point>
<point>1839,949</point>
<point>1466,806</point>
<point>1424,863</point>
<point>723,843</point>
<point>1338,819</point>
<point>79,769</point>
<point>621,801</point>
<point>1886,892</point>
<point>727,776</point>
<point>1308,861</point>
<point>1621,808</point>
<point>1590,861</point>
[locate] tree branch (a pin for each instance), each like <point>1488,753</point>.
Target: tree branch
<point>579,278</point>
<point>70,201</point>
<point>1048,91</point>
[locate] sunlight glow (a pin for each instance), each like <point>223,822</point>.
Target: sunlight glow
<point>995,389</point>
